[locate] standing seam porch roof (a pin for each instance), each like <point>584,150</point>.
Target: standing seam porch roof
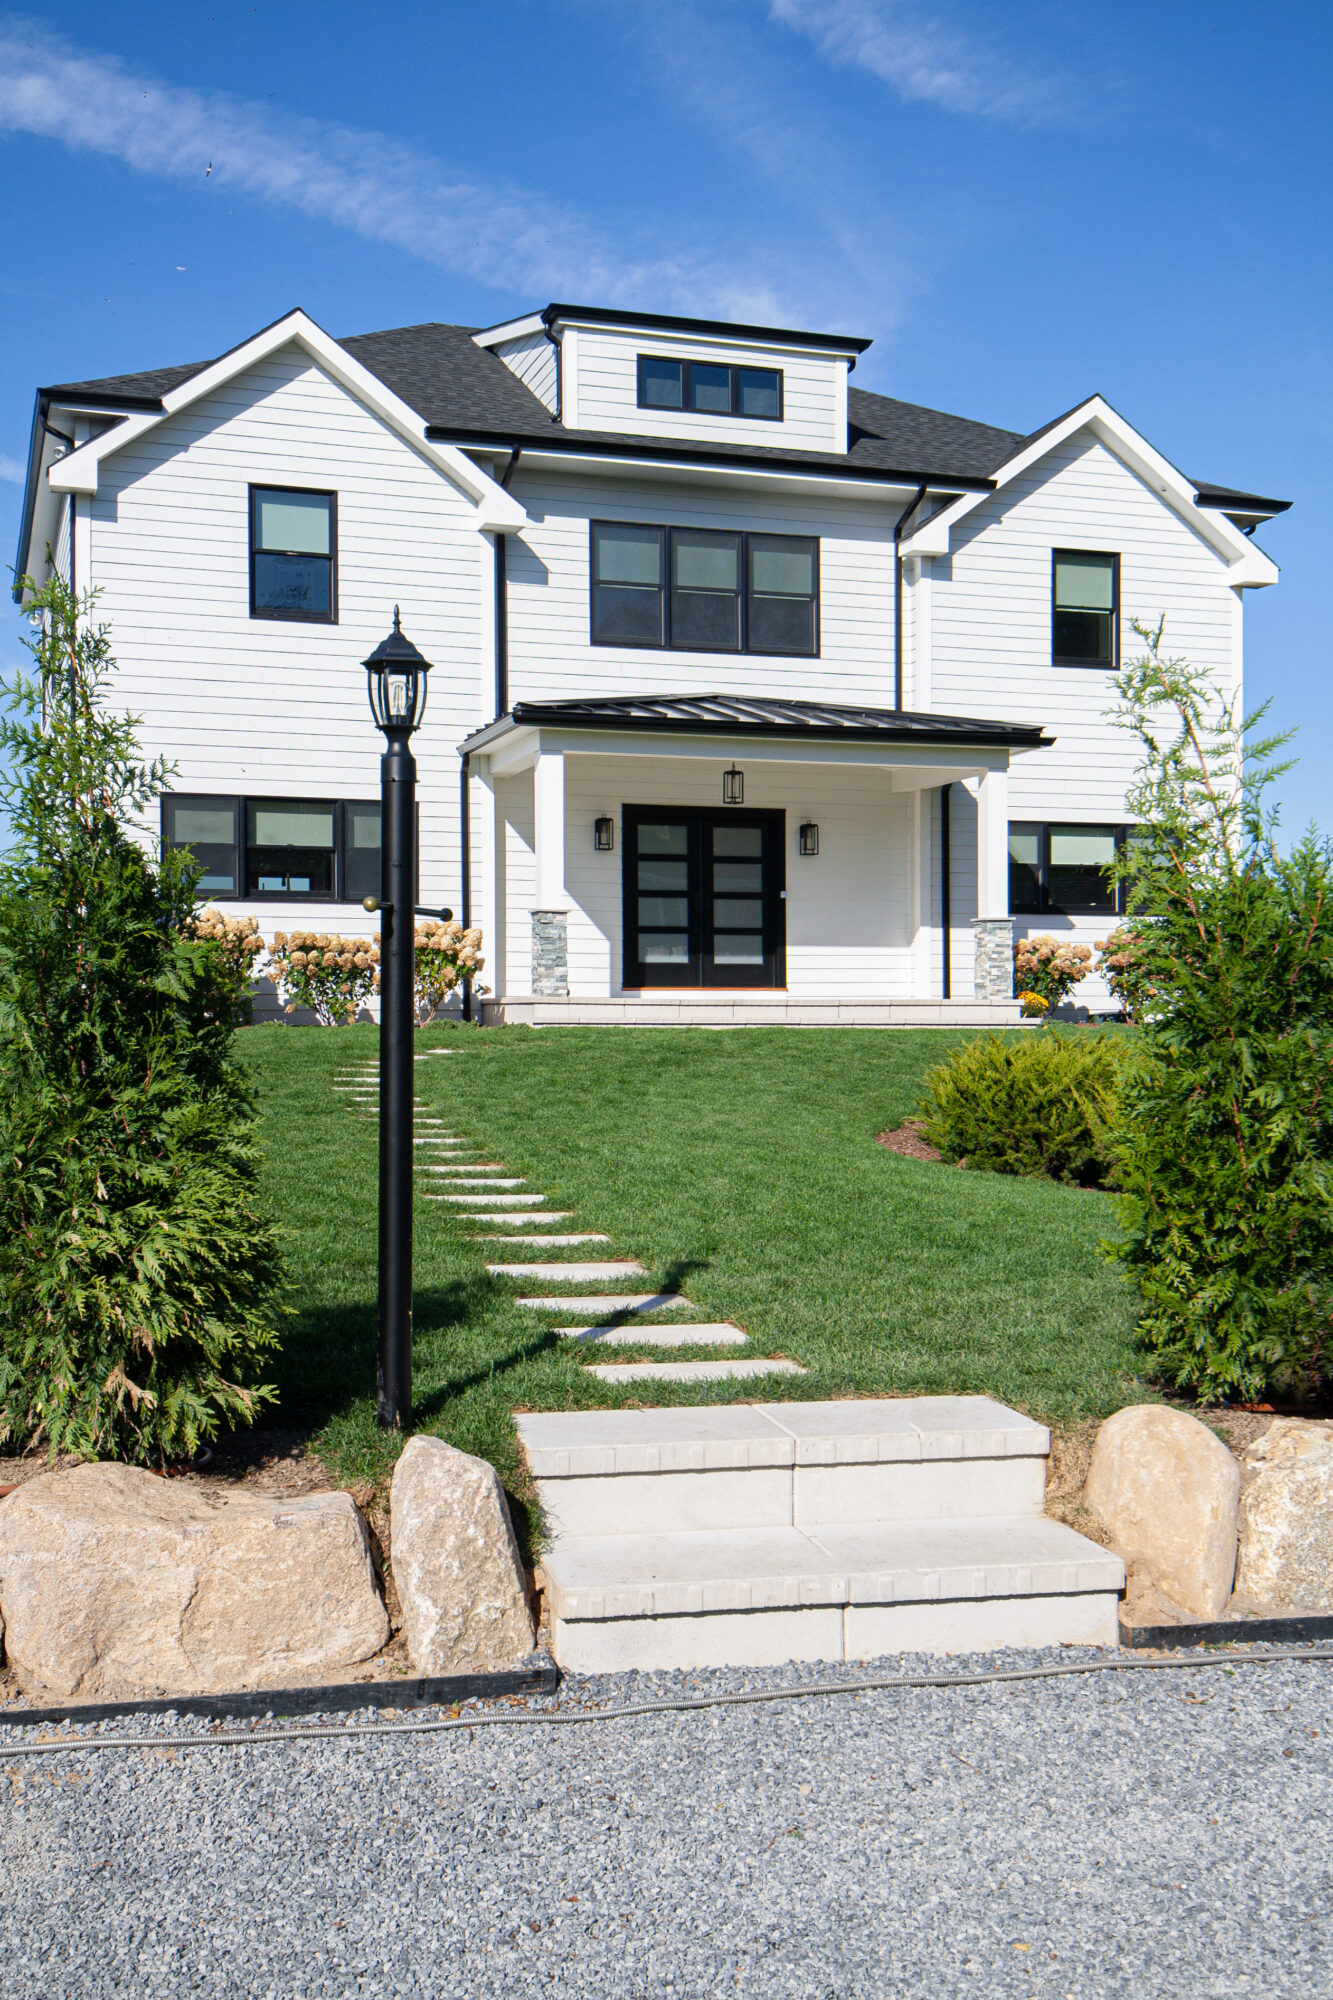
<point>744,715</point>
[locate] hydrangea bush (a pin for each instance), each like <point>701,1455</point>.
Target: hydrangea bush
<point>331,975</point>
<point>1048,968</point>
<point>446,955</point>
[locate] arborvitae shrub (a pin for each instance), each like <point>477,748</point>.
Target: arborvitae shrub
<point>1040,1102</point>
<point>138,1272</point>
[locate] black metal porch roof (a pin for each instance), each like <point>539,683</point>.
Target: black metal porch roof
<point>768,715</point>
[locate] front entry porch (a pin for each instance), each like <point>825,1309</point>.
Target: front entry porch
<point>690,861</point>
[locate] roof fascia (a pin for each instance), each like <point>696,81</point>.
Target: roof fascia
<point>966,757</point>
<point>495,510</point>
<point>623,321</point>
<point>1246,565</point>
<point>581,455</point>
<point>510,329</point>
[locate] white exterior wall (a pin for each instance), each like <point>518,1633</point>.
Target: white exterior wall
<point>551,656</point>
<point>601,390</point>
<point>850,932</point>
<point>532,357</point>
<point>990,614</point>
<point>264,706</point>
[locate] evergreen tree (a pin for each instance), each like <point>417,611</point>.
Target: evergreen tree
<point>139,1276</point>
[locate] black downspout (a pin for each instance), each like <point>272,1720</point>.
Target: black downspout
<point>901,523</point>
<point>946,904</point>
<point>501,628</point>
<point>465,861</point>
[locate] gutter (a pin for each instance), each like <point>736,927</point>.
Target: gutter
<point>899,525</point>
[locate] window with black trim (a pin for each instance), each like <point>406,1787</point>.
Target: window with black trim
<point>1064,868</point>
<point>293,554</point>
<point>704,590</point>
<point>1085,608</point>
<point>282,850</point>
<point>710,388</point>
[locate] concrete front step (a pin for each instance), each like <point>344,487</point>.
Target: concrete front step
<point>614,1302</point>
<point>759,1597</point>
<point>712,1333</point>
<point>623,1267</point>
<point>689,1371</point>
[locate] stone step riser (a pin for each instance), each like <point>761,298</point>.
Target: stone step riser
<point>782,1496</point>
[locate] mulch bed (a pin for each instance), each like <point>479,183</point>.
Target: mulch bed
<point>907,1140</point>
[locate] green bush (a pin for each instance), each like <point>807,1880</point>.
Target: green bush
<point>1225,1148</point>
<point>138,1274</point>
<point>1034,1103</point>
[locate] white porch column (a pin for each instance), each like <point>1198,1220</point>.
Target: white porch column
<point>486,903</point>
<point>550,905</point>
<point>993,930</point>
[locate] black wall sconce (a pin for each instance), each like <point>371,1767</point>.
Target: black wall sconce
<point>604,833</point>
<point>809,837</point>
<point>733,787</point>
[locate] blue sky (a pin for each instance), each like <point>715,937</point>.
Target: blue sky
<point>1020,203</point>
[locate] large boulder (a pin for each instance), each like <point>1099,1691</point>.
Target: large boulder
<point>114,1581</point>
<point>1285,1567</point>
<point>1165,1489</point>
<point>455,1562</point>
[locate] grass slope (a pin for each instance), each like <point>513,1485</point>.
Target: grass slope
<point>739,1167</point>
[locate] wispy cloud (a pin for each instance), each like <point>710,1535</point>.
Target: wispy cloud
<point>923,58</point>
<point>518,240</point>
<point>11,469</point>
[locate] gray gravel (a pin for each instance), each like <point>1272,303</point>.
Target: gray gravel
<point>1145,1834</point>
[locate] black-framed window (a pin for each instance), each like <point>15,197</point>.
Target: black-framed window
<point>1085,608</point>
<point>288,850</point>
<point>293,554</point>
<point>704,590</point>
<point>1063,867</point>
<point>710,388</point>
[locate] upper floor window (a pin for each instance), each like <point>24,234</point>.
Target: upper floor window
<point>1085,608</point>
<point>713,388</point>
<point>293,554</point>
<point>1064,868</point>
<point>704,590</point>
<point>297,850</point>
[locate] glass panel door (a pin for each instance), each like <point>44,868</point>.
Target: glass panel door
<point>703,897</point>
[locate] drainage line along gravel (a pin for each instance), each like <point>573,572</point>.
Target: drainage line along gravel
<point>741,1698</point>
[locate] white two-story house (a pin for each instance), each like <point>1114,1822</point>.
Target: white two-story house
<point>754,696</point>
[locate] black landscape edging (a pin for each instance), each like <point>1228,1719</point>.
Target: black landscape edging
<point>339,1698</point>
<point>1230,1632</point>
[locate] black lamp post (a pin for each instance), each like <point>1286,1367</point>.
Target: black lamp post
<point>396,679</point>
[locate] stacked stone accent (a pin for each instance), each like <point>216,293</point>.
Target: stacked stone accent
<point>994,977</point>
<point>550,954</point>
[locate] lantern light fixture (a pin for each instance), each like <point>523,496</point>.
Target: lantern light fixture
<point>396,683</point>
<point>733,787</point>
<point>809,837</point>
<point>603,833</point>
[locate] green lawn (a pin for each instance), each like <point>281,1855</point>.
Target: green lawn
<point>740,1167</point>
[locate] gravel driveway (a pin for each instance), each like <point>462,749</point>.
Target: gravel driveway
<point>1137,1833</point>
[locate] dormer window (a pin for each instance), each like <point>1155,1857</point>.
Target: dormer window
<point>711,388</point>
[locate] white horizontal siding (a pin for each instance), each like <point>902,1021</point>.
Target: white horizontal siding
<point>261,706</point>
<point>551,655</point>
<point>991,620</point>
<point>533,359</point>
<point>601,389</point>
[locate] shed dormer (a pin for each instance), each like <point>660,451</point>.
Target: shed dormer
<point>691,381</point>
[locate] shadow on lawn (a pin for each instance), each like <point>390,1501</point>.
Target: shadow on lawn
<point>330,1354</point>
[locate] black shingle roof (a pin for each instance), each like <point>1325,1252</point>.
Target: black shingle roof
<point>731,715</point>
<point>467,394</point>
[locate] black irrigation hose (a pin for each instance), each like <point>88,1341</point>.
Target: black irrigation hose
<point>745,1697</point>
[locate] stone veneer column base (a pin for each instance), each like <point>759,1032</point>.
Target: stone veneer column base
<point>550,954</point>
<point>994,941</point>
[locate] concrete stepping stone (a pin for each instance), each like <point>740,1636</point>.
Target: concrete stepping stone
<point>464,1167</point>
<point>426,1054</point>
<point>711,1333</point>
<point>624,1267</point>
<point>489,1200</point>
<point>585,1236</point>
<point>689,1371</point>
<point>517,1221</point>
<point>616,1302</point>
<point>479,1180</point>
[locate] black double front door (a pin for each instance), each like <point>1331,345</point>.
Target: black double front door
<point>703,897</point>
